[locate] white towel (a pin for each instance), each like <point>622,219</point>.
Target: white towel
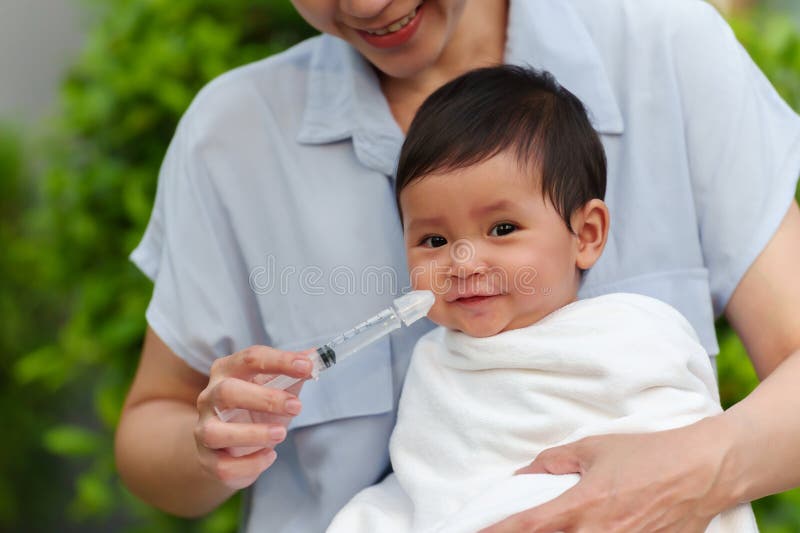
<point>473,410</point>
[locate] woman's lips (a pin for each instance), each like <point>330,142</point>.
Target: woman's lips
<point>397,38</point>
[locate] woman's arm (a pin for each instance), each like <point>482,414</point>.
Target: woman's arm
<point>765,312</point>
<point>678,480</point>
<point>170,446</point>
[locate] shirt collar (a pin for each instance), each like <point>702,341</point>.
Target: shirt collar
<point>344,99</point>
<point>549,35</point>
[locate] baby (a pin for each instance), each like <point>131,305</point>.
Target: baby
<point>502,213</point>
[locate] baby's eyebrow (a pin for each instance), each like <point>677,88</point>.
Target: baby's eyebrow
<point>500,205</point>
<point>430,221</point>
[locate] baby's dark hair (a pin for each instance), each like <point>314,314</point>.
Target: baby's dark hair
<point>490,110</point>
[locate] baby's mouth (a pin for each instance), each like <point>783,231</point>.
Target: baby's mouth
<point>473,297</point>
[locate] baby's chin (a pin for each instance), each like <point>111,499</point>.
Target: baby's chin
<point>485,328</point>
<point>478,328</point>
<point>478,324</point>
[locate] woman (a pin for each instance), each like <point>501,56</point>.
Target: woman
<point>274,228</point>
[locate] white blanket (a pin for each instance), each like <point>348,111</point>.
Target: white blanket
<point>473,410</point>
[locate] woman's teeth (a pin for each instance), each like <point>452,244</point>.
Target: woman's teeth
<point>400,24</point>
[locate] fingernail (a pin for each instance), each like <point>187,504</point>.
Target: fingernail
<point>277,433</point>
<point>293,406</point>
<point>302,365</point>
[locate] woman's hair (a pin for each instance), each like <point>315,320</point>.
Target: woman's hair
<point>508,108</point>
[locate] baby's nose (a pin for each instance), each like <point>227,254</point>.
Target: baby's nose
<point>463,251</point>
<point>466,260</point>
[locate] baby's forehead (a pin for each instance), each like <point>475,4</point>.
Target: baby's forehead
<point>471,192</point>
<point>500,175</point>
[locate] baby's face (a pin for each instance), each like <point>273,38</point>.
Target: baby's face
<point>491,247</point>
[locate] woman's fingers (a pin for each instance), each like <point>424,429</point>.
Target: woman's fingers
<point>214,434</point>
<point>231,382</point>
<point>237,451</point>
<point>558,460</point>
<point>236,454</point>
<point>551,517</point>
<point>626,485</point>
<point>264,360</point>
<point>229,393</point>
<point>238,472</point>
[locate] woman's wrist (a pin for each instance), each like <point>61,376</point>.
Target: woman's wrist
<point>721,436</point>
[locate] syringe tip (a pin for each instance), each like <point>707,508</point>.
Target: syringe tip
<point>413,306</point>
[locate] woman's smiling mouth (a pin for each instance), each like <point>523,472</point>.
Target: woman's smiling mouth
<point>395,34</point>
<point>395,26</point>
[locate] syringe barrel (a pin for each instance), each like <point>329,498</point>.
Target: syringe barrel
<point>364,334</point>
<point>406,309</point>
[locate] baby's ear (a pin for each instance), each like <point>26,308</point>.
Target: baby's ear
<point>590,224</point>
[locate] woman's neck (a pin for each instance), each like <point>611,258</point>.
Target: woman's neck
<point>478,41</point>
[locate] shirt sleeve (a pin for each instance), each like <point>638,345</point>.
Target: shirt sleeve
<point>200,294</point>
<point>743,146</point>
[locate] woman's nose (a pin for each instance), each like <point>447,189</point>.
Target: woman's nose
<point>364,9</point>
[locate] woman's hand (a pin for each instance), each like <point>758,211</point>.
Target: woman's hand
<point>678,480</point>
<point>173,451</point>
<point>664,481</point>
<point>236,452</point>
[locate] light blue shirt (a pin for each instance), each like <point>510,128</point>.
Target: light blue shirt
<point>275,223</point>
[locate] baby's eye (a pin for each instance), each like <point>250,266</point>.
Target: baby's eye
<point>434,241</point>
<point>501,229</point>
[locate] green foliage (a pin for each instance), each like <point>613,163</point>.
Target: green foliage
<point>773,42</point>
<point>73,209</point>
<point>76,204</point>
<point>27,412</point>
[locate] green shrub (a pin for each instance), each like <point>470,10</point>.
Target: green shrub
<point>27,411</point>
<point>76,305</point>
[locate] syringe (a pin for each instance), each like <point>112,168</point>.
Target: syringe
<point>406,309</point>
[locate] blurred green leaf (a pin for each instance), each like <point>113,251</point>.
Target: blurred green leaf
<point>93,497</point>
<point>72,441</point>
<point>44,365</point>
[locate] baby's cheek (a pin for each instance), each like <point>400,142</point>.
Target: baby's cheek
<point>417,274</point>
<point>423,275</point>
<point>438,314</point>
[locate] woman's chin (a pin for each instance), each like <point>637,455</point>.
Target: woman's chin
<point>404,62</point>
<point>405,67</point>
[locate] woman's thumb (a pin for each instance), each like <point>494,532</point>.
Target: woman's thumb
<point>558,460</point>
